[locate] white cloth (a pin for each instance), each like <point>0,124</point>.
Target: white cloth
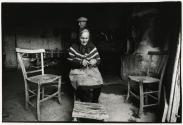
<point>85,77</point>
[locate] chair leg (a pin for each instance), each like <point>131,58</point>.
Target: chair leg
<point>26,96</point>
<point>128,93</point>
<point>141,98</point>
<point>38,102</point>
<point>59,90</point>
<point>75,119</point>
<point>42,94</point>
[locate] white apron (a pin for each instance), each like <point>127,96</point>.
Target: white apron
<point>85,77</point>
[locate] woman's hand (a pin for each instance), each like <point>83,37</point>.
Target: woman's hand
<point>93,62</point>
<point>85,62</point>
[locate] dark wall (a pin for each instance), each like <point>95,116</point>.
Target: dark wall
<point>48,25</point>
<point>62,14</point>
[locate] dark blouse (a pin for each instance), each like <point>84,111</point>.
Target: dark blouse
<point>78,52</point>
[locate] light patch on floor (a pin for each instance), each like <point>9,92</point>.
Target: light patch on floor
<point>119,111</point>
<point>53,111</point>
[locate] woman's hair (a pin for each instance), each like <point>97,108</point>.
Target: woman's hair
<point>84,30</point>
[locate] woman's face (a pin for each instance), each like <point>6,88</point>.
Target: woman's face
<point>84,38</point>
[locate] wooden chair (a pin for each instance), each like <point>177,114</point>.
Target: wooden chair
<point>37,82</point>
<point>150,84</point>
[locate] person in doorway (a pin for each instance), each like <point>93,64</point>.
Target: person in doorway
<point>84,75</point>
<point>82,23</point>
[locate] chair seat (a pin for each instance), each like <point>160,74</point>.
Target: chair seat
<point>89,110</point>
<point>46,78</point>
<point>144,79</point>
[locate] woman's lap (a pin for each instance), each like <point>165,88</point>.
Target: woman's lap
<point>88,83</point>
<point>88,94</point>
<point>86,77</point>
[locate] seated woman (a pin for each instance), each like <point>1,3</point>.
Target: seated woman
<point>84,75</point>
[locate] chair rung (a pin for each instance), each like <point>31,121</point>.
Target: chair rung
<point>62,93</point>
<point>150,105</point>
<point>31,104</point>
<point>153,97</point>
<point>37,67</point>
<point>55,85</point>
<point>34,71</point>
<point>51,96</point>
<point>32,91</point>
<point>134,95</point>
<point>32,96</point>
<point>46,95</point>
<point>150,92</point>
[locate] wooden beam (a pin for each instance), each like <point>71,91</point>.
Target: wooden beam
<point>172,91</point>
<point>176,101</point>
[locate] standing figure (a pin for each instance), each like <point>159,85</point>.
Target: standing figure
<point>82,24</point>
<point>84,75</point>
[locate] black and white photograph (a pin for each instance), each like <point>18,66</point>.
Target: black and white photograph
<point>91,62</point>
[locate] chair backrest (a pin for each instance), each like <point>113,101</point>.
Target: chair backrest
<point>157,63</point>
<point>22,52</point>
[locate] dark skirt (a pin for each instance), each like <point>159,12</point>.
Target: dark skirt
<point>88,94</point>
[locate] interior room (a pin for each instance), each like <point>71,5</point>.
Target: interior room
<point>120,31</point>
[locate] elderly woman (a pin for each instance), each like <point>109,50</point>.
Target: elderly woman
<point>84,75</point>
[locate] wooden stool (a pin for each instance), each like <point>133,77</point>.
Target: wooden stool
<point>89,110</point>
